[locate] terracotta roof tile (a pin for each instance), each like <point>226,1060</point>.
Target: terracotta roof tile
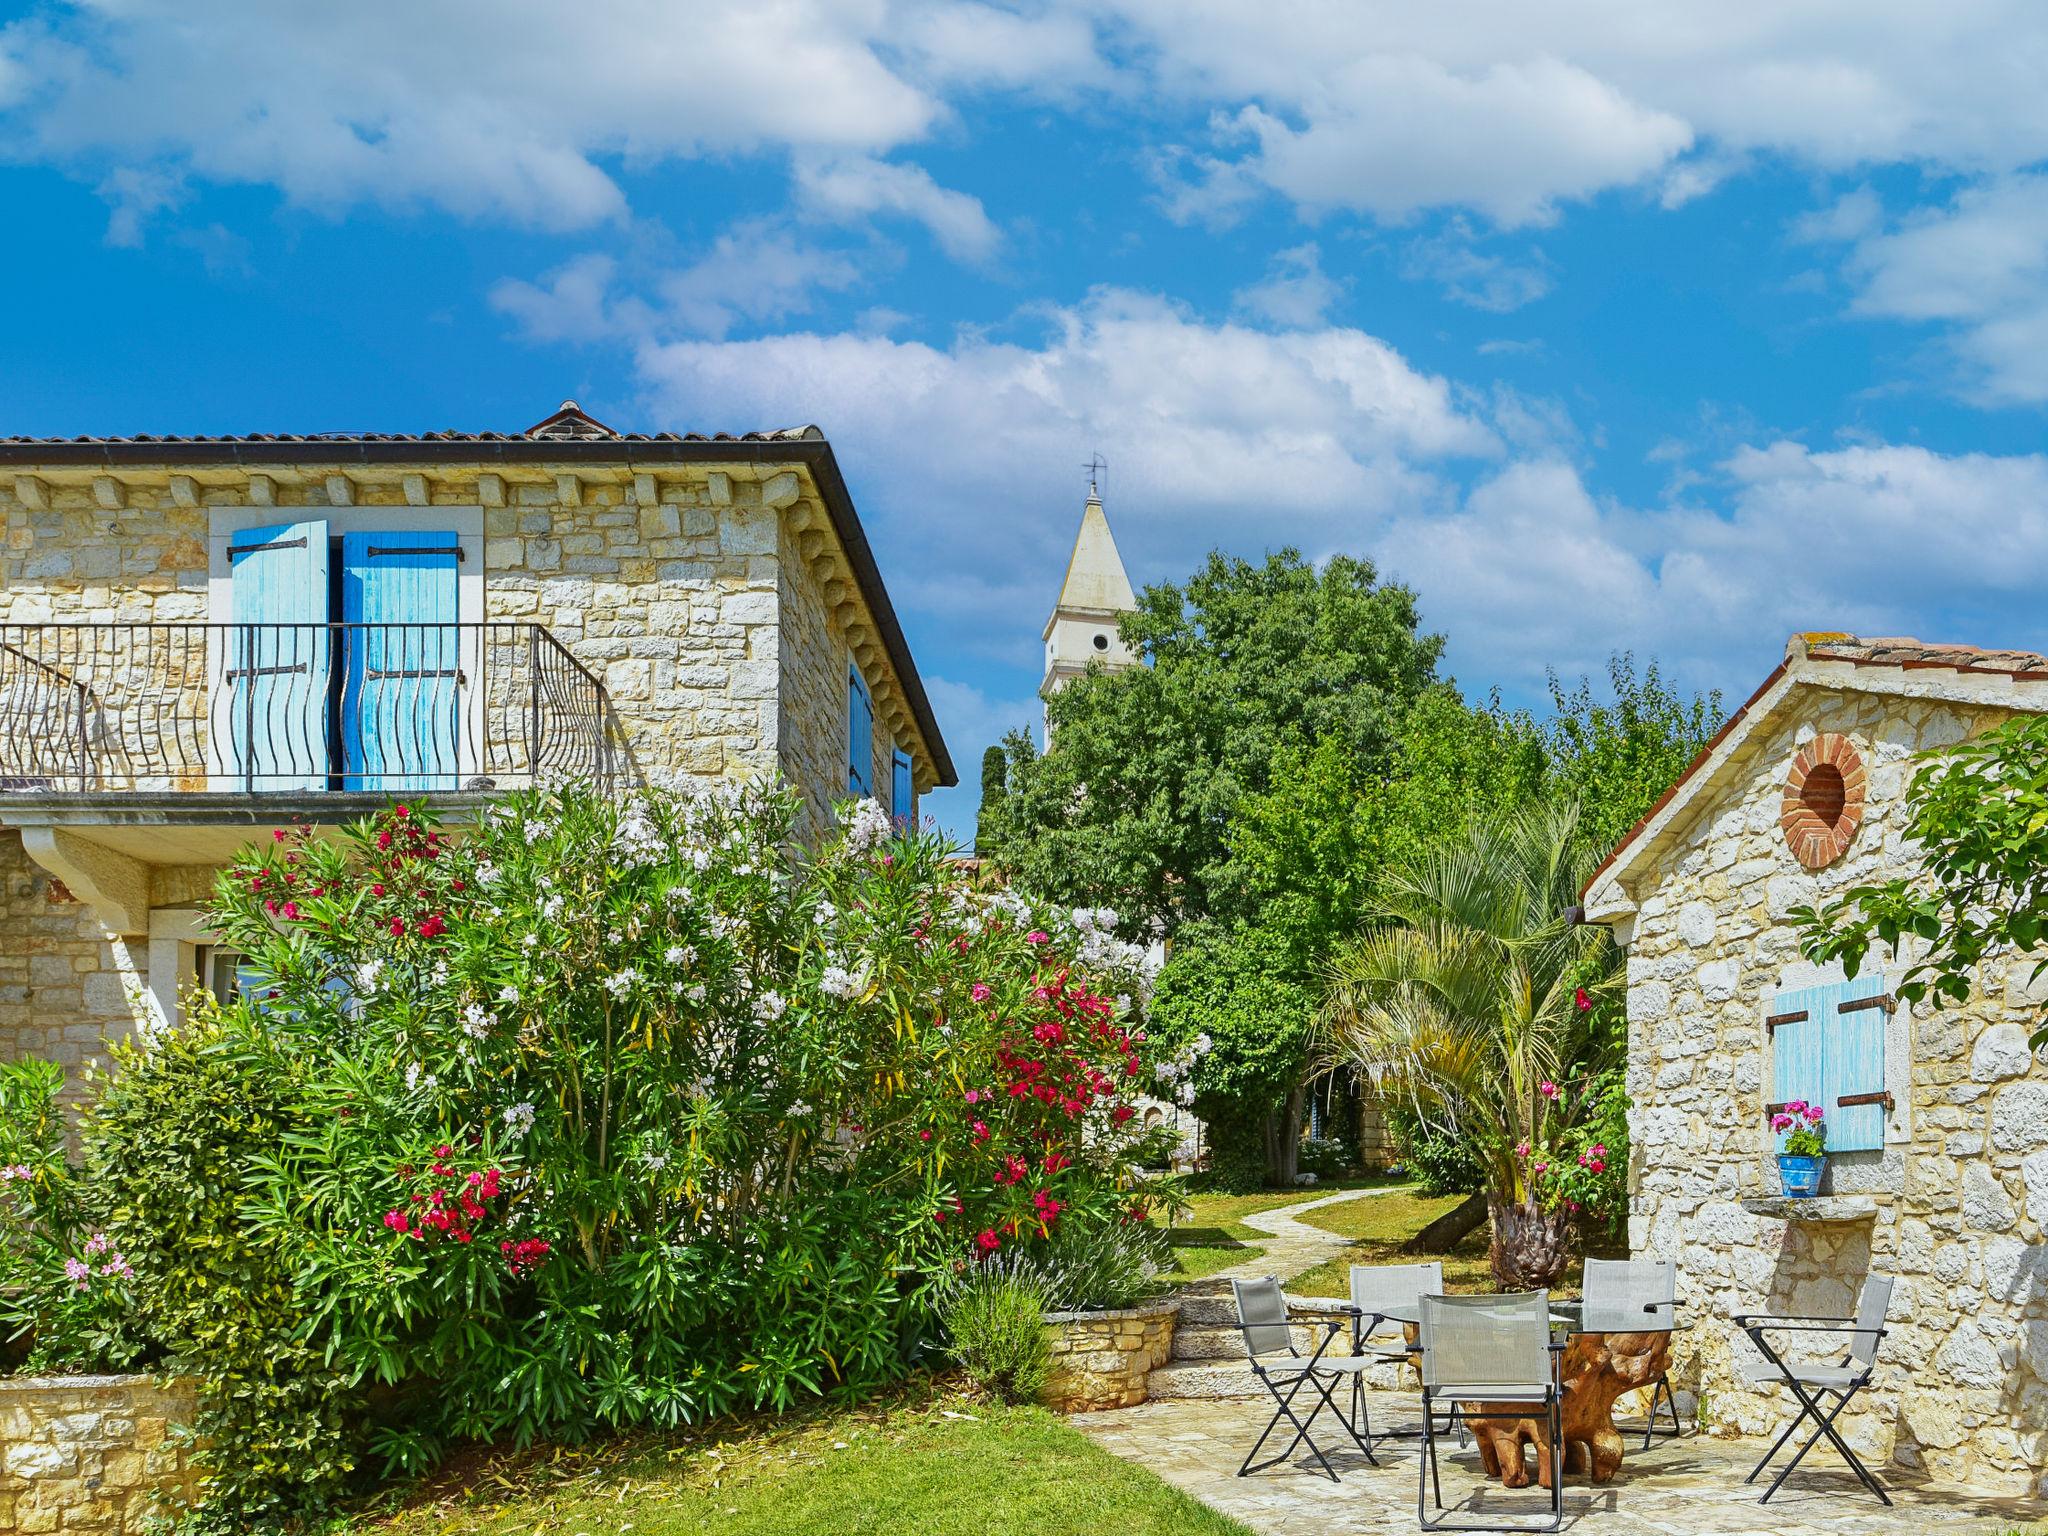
<point>1906,653</point>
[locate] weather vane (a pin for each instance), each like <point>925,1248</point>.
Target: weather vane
<point>1095,466</point>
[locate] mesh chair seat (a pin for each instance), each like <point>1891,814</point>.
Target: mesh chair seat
<point>1635,1296</point>
<point>1505,1392</point>
<point>1833,1376</point>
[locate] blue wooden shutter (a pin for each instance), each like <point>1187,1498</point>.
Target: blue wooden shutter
<point>271,720</point>
<point>1855,1067</point>
<point>860,735</point>
<point>401,706</point>
<point>902,796</point>
<point>1799,1045</point>
<point>1830,1055</point>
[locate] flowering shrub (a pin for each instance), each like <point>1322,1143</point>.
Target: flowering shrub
<point>610,1113</point>
<point>64,1286</point>
<point>1583,1172</point>
<point>1804,1128</point>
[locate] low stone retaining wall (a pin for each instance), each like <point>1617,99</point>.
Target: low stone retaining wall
<point>1101,1359</point>
<point>88,1453</point>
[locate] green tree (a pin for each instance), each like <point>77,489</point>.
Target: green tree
<point>988,821</point>
<point>1613,760</point>
<point>1236,986</point>
<point>1473,1005</point>
<point>1247,663</point>
<point>1979,814</point>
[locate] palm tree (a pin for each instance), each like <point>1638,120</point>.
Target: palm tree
<point>1468,998</point>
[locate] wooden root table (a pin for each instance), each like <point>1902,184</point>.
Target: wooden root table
<point>1597,1369</point>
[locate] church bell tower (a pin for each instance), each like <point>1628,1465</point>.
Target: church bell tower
<point>1095,594</point>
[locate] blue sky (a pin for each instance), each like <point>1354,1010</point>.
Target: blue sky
<point>1605,325</point>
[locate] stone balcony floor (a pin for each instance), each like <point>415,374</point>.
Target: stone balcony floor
<point>1686,1487</point>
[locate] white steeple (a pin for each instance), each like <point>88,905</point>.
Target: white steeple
<point>1083,626</point>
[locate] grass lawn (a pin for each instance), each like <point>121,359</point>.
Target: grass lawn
<point>1214,1236</point>
<point>926,1463</point>
<point>1379,1226</point>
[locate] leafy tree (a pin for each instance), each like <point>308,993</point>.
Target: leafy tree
<point>1247,663</point>
<point>1235,986</point>
<point>1472,1004</point>
<point>1979,814</point>
<point>994,787</point>
<point>1614,760</point>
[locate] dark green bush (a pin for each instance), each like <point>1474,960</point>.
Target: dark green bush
<point>174,1140</point>
<point>1442,1163</point>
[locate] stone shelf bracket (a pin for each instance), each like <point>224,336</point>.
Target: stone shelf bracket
<point>114,885</point>
<point>1817,1208</point>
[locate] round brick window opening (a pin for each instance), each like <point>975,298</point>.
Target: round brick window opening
<point>1823,804</point>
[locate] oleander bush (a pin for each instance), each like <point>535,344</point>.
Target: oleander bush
<point>604,1113</point>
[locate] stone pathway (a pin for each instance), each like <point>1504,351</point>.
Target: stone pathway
<point>1687,1487</point>
<point>1208,1351</point>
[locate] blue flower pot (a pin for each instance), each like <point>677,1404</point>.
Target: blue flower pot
<point>1800,1175</point>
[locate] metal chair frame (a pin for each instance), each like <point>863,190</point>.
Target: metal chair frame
<point>1811,1404</point>
<point>1660,1389</point>
<point>1428,1479</point>
<point>1322,1383</point>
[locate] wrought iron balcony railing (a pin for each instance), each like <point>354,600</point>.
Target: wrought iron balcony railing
<point>241,708</point>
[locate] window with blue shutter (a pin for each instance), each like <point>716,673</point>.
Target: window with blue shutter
<point>1827,1048</point>
<point>272,716</point>
<point>902,795</point>
<point>860,734</point>
<point>401,687</point>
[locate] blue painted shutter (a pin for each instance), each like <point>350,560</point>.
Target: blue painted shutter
<point>1799,1046</point>
<point>401,705</point>
<point>272,716</point>
<point>860,735</point>
<point>902,796</point>
<point>1855,1066</point>
<point>1830,1055</point>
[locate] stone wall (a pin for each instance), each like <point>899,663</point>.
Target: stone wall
<point>1957,1203</point>
<point>1103,1359</point>
<point>672,603</point>
<point>64,986</point>
<point>91,1453</point>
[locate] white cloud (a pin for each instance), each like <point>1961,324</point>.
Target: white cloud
<point>1399,134</point>
<point>965,458</point>
<point>513,110</point>
<point>1509,108</point>
<point>860,187</point>
<point>1295,292</point>
<point>754,271</point>
<point>972,719</point>
<point>1977,265</point>
<point>965,462</point>
<point>1533,570</point>
<point>1467,275</point>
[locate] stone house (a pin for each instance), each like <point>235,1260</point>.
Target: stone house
<point>1938,1116</point>
<point>204,637</point>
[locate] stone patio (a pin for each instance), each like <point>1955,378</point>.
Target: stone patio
<point>1687,1487</point>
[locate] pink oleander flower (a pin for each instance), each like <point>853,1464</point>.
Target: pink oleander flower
<point>979,991</point>
<point>1548,1090</point>
<point>1583,1000</point>
<point>1036,936</point>
<point>77,1272</point>
<point>1521,1149</point>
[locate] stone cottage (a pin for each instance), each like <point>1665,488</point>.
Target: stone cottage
<point>1938,1166</point>
<point>204,636</point>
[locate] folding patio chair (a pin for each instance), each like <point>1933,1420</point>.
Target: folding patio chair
<point>1387,1295</point>
<point>1262,1316</point>
<point>1814,1384</point>
<point>1488,1350</point>
<point>1635,1296</point>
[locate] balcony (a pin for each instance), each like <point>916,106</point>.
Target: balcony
<point>164,743</point>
